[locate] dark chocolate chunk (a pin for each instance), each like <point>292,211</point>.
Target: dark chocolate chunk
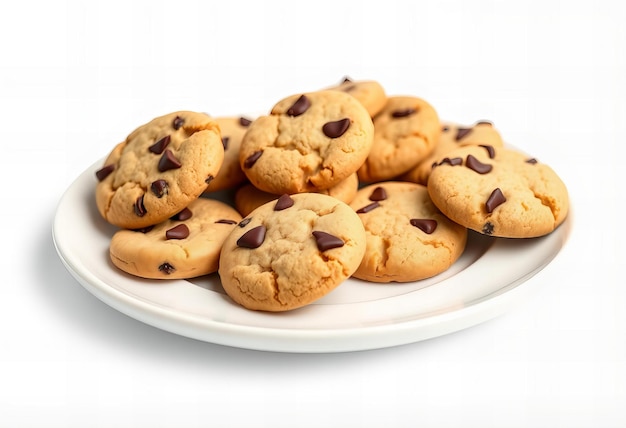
<point>301,105</point>
<point>168,161</point>
<point>104,172</point>
<point>283,202</point>
<point>225,141</point>
<point>252,238</point>
<point>368,208</point>
<point>251,160</point>
<point>140,209</point>
<point>180,231</point>
<point>160,145</point>
<point>226,221</point>
<point>326,241</point>
<point>488,228</point>
<point>245,122</point>
<point>452,162</point>
<point>474,164</point>
<point>424,224</point>
<point>178,122</point>
<point>167,268</point>
<point>378,194</point>
<point>462,132</point>
<point>532,161</point>
<point>244,222</point>
<point>403,113</point>
<point>159,188</point>
<point>336,129</point>
<point>495,199</point>
<point>490,150</point>
<point>185,214</point>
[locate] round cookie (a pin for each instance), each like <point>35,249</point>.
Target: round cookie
<point>186,246</point>
<point>309,142</point>
<point>405,132</point>
<point>291,252</point>
<point>499,191</point>
<point>230,174</point>
<point>408,238</point>
<point>454,136</point>
<point>159,169</point>
<point>248,197</point>
<point>370,93</point>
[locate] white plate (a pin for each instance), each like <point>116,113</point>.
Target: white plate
<point>489,277</point>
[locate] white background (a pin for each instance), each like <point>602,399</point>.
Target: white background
<point>77,77</point>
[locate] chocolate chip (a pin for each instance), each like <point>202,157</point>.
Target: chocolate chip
<point>209,179</point>
<point>445,128</point>
<point>168,161</point>
<point>180,231</point>
<point>368,208</point>
<point>336,129</point>
<point>185,214</point>
<point>495,199</point>
<point>244,122</point>
<point>490,150</point>
<point>474,164</point>
<point>403,113</point>
<point>159,188</point>
<point>160,145</point>
<point>167,268</point>
<point>488,228</point>
<point>252,238</point>
<point>225,141</point>
<point>178,122</point>
<point>140,209</point>
<point>346,79</point>
<point>378,194</point>
<point>144,229</point>
<point>226,221</point>
<point>462,132</point>
<point>251,160</point>
<point>301,105</point>
<point>451,162</point>
<point>283,202</point>
<point>532,161</point>
<point>425,225</point>
<point>484,122</point>
<point>244,222</point>
<point>104,172</point>
<point>326,241</point>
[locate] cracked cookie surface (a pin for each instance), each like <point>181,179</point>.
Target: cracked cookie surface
<point>309,142</point>
<point>187,245</point>
<point>499,192</point>
<point>407,237</point>
<point>159,169</point>
<point>290,252</point>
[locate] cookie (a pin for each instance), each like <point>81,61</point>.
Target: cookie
<point>290,252</point>
<point>309,142</point>
<point>230,175</point>
<point>186,246</point>
<point>248,197</point>
<point>408,238</point>
<point>453,136</point>
<point>370,93</point>
<point>405,132</point>
<point>159,169</point>
<point>499,192</point>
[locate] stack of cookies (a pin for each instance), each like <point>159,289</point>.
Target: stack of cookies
<point>345,181</point>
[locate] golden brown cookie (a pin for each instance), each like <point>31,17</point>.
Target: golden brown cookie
<point>499,191</point>
<point>405,132</point>
<point>291,252</point>
<point>309,142</point>
<point>248,197</point>
<point>159,169</point>
<point>186,246</point>
<point>232,130</point>
<point>370,93</point>
<point>452,137</point>
<point>408,238</point>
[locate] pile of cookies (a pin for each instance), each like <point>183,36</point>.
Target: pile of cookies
<point>341,182</point>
